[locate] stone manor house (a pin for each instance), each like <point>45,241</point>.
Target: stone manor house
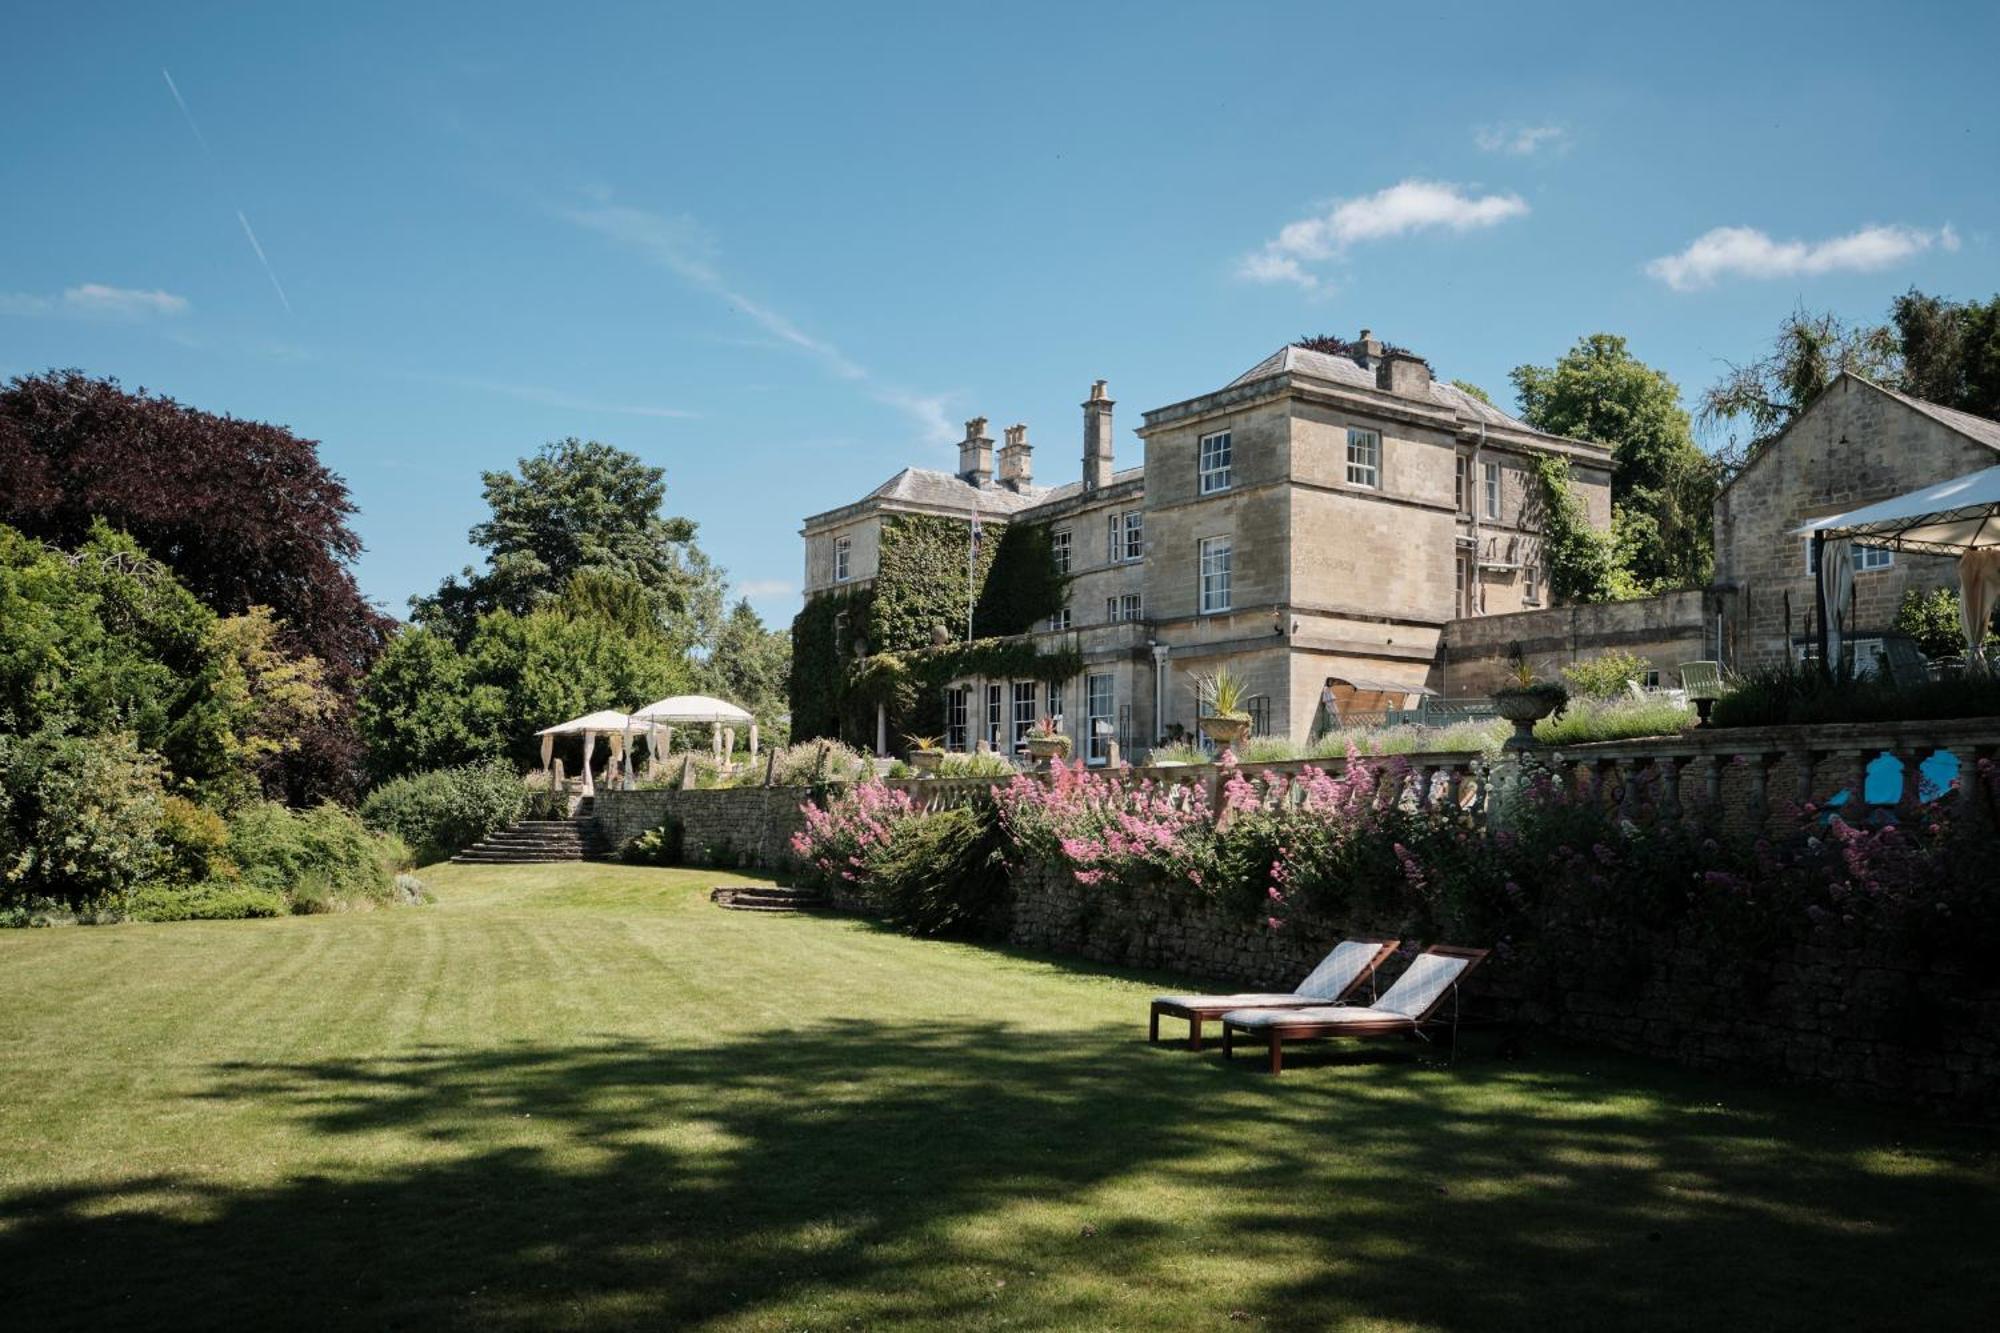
<point>1317,524</point>
<point>1348,534</point>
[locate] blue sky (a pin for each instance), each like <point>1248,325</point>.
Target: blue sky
<point>784,251</point>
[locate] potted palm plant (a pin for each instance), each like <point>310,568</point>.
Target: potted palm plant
<point>1525,700</point>
<point>926,752</point>
<point>1047,741</point>
<point>1225,720</point>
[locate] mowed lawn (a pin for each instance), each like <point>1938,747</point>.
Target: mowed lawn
<point>583,1097</point>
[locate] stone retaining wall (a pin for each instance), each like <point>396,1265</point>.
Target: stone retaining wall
<point>1867,1023</point>
<point>725,826</point>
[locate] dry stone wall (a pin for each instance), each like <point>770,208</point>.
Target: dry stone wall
<point>727,826</point>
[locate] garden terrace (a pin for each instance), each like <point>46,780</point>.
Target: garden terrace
<point>584,1097</point>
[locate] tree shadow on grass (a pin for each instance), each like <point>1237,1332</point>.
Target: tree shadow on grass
<point>864,1173</point>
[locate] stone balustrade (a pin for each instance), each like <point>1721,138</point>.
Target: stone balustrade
<point>1752,775</point>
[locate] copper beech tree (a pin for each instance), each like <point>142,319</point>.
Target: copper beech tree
<point>244,513</point>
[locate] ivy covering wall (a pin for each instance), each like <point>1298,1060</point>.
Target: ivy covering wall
<point>920,585</point>
<point>1580,559</point>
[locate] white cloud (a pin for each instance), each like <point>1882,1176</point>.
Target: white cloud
<point>1403,208</point>
<point>1746,252</point>
<point>679,245</point>
<point>96,298</point>
<point>766,587</point>
<point>1522,140</point>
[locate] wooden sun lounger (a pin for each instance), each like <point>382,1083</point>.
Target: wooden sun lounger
<point>1404,1009</point>
<point>1338,976</point>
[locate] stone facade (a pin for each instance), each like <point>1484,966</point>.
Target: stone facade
<point>1857,443</point>
<point>1476,655</point>
<point>724,826</point>
<point>1866,1023</point>
<point>1320,517</point>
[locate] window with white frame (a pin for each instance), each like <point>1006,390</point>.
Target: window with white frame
<point>1125,536</point>
<point>1492,488</point>
<point>1056,701</point>
<point>1025,699</point>
<point>1215,453</point>
<point>843,550</point>
<point>1866,558</point>
<point>955,719</point>
<point>993,716</point>
<point>1464,485</point>
<point>1531,583</point>
<point>1100,717</point>
<point>1059,548</point>
<point>1364,457</point>
<point>1127,606</point>
<point>1215,562</point>
<point>1060,620</point>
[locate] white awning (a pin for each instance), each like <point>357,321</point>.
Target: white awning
<point>601,721</point>
<point>683,709</point>
<point>1950,518</point>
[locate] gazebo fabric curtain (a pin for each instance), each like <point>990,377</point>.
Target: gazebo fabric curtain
<point>1978,593</point>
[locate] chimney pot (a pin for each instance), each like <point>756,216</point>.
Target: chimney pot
<point>975,453</point>
<point>1368,351</point>
<point>1097,438</point>
<point>1016,458</point>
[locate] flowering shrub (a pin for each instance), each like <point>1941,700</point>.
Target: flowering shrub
<point>1108,830</point>
<point>842,831</point>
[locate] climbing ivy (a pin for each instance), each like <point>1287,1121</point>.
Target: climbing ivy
<point>920,584</point>
<point>1580,560</point>
<point>1024,587</point>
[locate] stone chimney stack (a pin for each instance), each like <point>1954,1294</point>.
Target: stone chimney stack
<point>1097,438</point>
<point>975,453</point>
<point>1405,375</point>
<point>1367,350</point>
<point>1017,464</point>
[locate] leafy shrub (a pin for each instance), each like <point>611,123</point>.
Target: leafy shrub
<point>660,846</point>
<point>213,900</point>
<point>1777,696</point>
<point>447,809</point>
<point>80,818</point>
<point>196,843</point>
<point>942,874</point>
<point>1613,719</point>
<point>960,764</point>
<point>1932,619</point>
<point>820,763</point>
<point>1478,737</point>
<point>843,827</point>
<point>1605,676</point>
<point>319,860</point>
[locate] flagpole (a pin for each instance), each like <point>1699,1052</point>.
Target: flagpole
<point>971,563</point>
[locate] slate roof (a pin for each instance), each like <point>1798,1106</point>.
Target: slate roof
<point>947,490</point>
<point>1069,490</point>
<point>1344,370</point>
<point>1985,431</point>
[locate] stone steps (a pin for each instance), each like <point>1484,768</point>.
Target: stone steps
<point>539,842</point>
<point>766,898</point>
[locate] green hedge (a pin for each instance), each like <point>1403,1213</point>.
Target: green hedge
<point>447,809</point>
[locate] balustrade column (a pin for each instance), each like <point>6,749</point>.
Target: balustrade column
<point>1669,768</point>
<point>1712,780</point>
<point>1855,764</point>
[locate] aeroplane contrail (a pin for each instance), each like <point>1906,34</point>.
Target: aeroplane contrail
<point>248,233</point>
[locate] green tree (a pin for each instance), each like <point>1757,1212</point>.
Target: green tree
<point>750,665</point>
<point>1809,353</point>
<point>1950,350</point>
<point>1662,484</point>
<point>580,507</point>
<point>431,704</point>
<point>1468,387</point>
<point>1581,563</point>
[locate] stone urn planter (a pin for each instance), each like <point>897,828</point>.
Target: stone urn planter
<point>1045,748</point>
<point>1225,731</point>
<point>1525,705</point>
<point>926,761</point>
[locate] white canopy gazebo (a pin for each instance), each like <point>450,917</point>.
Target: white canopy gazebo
<point>606,722</point>
<point>1960,517</point>
<point>695,710</point>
